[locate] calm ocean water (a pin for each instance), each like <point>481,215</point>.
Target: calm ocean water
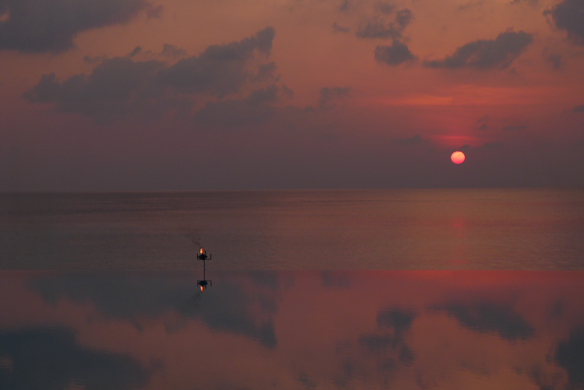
<point>299,330</point>
<point>296,230</point>
<point>302,292</point>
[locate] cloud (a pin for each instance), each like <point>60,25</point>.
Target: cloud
<point>379,29</point>
<point>555,60</point>
<point>532,3</point>
<point>339,29</point>
<point>398,318</point>
<point>169,50</point>
<point>345,6</point>
<point>39,26</point>
<point>569,16</point>
<point>253,110</point>
<point>578,108</point>
<point>403,18</point>
<point>329,94</point>
<point>52,359</point>
<point>570,355</point>
<point>265,73</point>
<point>123,85</point>
<point>415,140</point>
<point>398,321</point>
<point>229,309</point>
<point>220,69</point>
<point>491,146</point>
<point>486,54</point>
<point>378,342</point>
<point>486,317</point>
<point>94,60</point>
<point>116,87</point>
<point>482,123</point>
<point>137,50</point>
<point>393,55</point>
<point>483,119</point>
<point>384,8</point>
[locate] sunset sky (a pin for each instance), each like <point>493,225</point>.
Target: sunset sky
<point>128,95</point>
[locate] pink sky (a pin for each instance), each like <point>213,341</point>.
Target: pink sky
<point>182,95</point>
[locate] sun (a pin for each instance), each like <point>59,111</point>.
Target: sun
<point>457,157</point>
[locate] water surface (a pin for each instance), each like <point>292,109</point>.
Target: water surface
<point>292,330</point>
<point>296,230</point>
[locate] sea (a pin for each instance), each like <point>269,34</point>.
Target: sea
<point>340,289</point>
<point>483,229</point>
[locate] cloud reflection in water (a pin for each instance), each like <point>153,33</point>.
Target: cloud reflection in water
<point>305,330</point>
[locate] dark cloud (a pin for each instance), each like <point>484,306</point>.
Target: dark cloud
<point>415,140</point>
<point>379,29</point>
<point>555,60</point>
<point>345,6</point>
<point>339,29</point>
<point>378,342</point>
<point>578,108</point>
<point>329,94</point>
<point>50,26</point>
<point>117,86</point>
<point>482,123</point>
<point>398,318</point>
<point>486,54</point>
<point>532,3</point>
<point>491,146</point>
<point>403,18</point>
<point>113,87</point>
<point>570,355</point>
<point>226,307</point>
<point>253,110</point>
<point>122,85</point>
<point>135,52</point>
<point>169,50</point>
<point>94,60</point>
<point>514,128</point>
<point>265,73</point>
<point>306,381</point>
<point>465,148</point>
<point>487,317</point>
<point>388,345</point>
<point>384,8</point>
<point>569,16</point>
<point>393,55</point>
<point>220,69</point>
<point>51,359</point>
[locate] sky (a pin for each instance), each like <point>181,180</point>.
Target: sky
<point>132,95</point>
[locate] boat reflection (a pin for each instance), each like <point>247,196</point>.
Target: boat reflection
<point>293,330</point>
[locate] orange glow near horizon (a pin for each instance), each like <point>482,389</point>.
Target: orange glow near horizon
<point>457,157</point>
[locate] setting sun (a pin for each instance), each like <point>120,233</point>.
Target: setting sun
<point>457,157</point>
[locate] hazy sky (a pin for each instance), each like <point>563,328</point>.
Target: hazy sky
<point>102,95</point>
